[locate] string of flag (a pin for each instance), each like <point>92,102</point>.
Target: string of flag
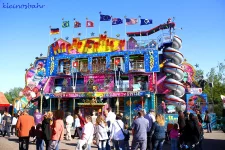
<point>91,24</point>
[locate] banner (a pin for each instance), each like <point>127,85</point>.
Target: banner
<point>196,91</point>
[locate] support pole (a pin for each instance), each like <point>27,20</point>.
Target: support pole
<point>117,105</point>
<point>130,111</point>
<point>50,104</point>
<point>58,103</point>
<point>41,102</point>
<point>74,105</point>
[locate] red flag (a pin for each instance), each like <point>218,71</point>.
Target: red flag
<point>89,24</point>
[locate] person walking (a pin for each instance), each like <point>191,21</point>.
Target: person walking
<point>13,126</point>
<point>207,120</point>
<point>69,122</point>
<point>47,128</point>
<point>140,127</point>
<point>100,133</point>
<point>77,127</point>
<point>117,135</point>
<point>87,135</point>
<point>158,132</point>
<point>25,126</point>
<point>151,119</point>
<point>174,136</point>
<point>57,130</point>
<point>181,121</point>
<point>199,116</point>
<point>110,119</point>
<point>126,140</point>
<point>7,121</point>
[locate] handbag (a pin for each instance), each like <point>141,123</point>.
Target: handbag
<point>85,146</point>
<point>126,135</point>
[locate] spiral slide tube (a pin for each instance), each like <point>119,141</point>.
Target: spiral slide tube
<point>173,82</point>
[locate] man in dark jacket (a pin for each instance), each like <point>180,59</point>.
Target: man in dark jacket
<point>47,131</point>
<point>7,122</point>
<point>181,120</point>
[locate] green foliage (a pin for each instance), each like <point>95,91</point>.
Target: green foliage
<point>217,76</point>
<point>12,94</point>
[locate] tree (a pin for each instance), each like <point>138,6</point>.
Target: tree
<point>216,78</point>
<point>12,94</point>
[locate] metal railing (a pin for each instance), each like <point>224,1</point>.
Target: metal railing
<point>137,66</point>
<point>98,68</point>
<point>114,67</point>
<point>142,44</point>
<point>84,88</point>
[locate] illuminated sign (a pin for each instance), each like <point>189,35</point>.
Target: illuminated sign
<point>98,94</point>
<point>91,45</point>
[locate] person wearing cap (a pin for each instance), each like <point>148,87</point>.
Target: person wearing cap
<point>151,119</point>
<point>69,122</point>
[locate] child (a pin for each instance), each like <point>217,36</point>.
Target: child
<point>174,134</point>
<point>126,140</point>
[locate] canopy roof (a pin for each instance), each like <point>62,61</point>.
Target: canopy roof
<point>3,100</point>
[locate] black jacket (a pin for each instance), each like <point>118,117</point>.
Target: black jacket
<point>46,128</point>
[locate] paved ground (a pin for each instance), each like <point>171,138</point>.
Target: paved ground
<point>212,141</point>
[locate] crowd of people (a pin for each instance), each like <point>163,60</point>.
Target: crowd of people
<point>107,130</point>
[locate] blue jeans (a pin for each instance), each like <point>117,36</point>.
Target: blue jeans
<point>102,145</point>
<point>209,128</point>
<point>174,144</point>
<point>126,145</point>
<point>108,147</point>
<point>119,145</point>
<point>135,145</point>
<point>39,144</point>
<point>158,144</point>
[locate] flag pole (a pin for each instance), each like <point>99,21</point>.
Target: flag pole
<point>111,26</point>
<point>99,24</point>
<point>140,27</point>
<point>49,36</point>
<point>73,26</point>
<point>86,28</point>
<point>62,28</point>
<point>125,32</point>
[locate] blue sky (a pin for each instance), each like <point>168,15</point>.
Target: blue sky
<point>25,32</point>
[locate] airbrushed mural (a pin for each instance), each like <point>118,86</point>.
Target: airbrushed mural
<point>35,79</point>
<point>196,102</point>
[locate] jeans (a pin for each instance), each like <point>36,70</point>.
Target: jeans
<point>158,144</point>
<point>126,145</point>
<point>13,127</point>
<point>149,141</point>
<point>24,143</point>
<point>6,130</point>
<point>102,145</point>
<point>119,144</point>
<point>108,147</point>
<point>135,145</point>
<point>39,144</point>
<point>209,128</point>
<point>47,143</point>
<point>174,144</point>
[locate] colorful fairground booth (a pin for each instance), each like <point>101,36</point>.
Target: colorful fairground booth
<point>126,74</point>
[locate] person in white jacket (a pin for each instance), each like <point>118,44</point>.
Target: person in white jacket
<point>69,122</point>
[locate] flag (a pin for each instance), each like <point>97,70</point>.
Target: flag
<point>54,31</point>
<point>146,21</point>
<point>77,24</point>
<point>105,18</point>
<point>131,21</point>
<point>65,24</point>
<point>116,21</point>
<point>89,24</point>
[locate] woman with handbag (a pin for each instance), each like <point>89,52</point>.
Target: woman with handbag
<point>117,134</point>
<point>87,136</point>
<point>57,130</point>
<point>100,134</point>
